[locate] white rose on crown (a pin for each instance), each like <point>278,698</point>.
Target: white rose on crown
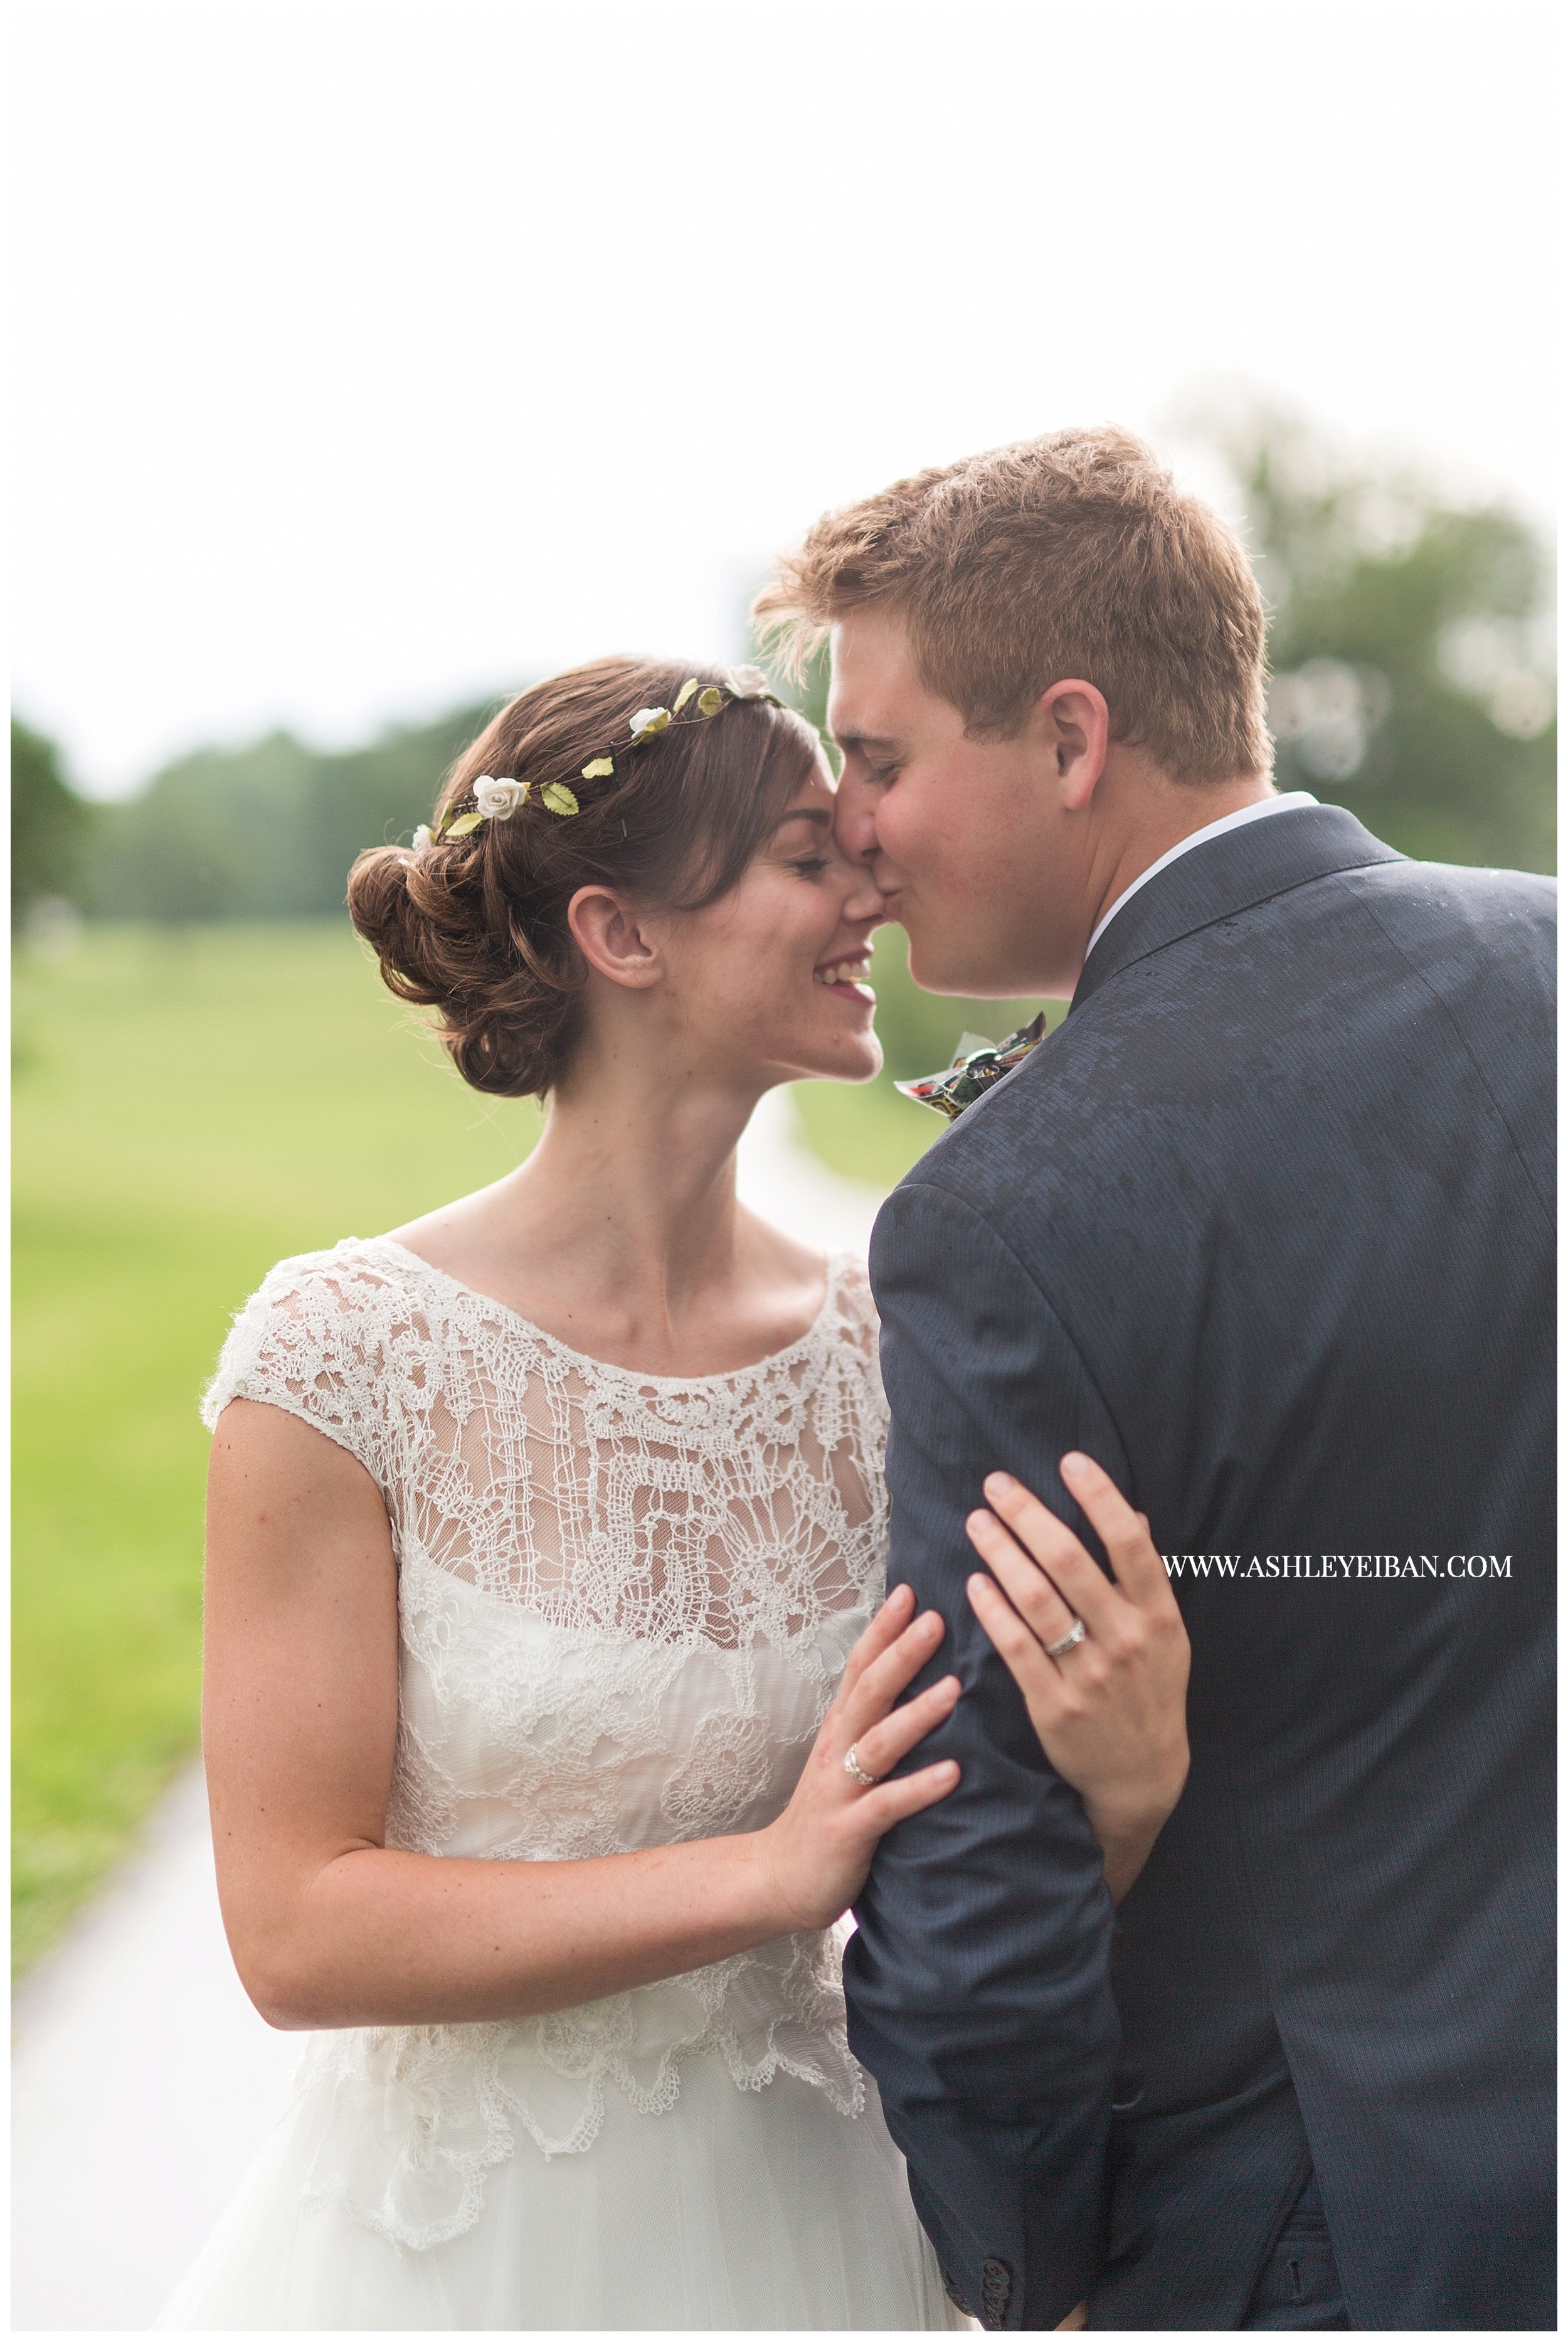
<point>649,720</point>
<point>749,683</point>
<point>499,800</point>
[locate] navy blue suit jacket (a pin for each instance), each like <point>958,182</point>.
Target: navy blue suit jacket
<point>1263,1227</point>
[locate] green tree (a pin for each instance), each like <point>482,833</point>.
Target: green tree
<point>1409,644</point>
<point>51,826</point>
<point>267,831</point>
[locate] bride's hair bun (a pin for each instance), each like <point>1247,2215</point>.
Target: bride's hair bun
<point>475,926</point>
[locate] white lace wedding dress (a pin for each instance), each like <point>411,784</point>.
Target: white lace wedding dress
<point>624,1602</point>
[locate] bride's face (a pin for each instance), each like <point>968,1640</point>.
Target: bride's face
<point>770,978</point>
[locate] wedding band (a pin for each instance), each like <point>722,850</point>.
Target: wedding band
<point>1077,1633</point>
<point>852,1767</point>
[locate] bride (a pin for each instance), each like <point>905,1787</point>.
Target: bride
<point>548,1699</point>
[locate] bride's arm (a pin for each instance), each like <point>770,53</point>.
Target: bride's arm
<point>329,1925</point>
<point>1111,1713</point>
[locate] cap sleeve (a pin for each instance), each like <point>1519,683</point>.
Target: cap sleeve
<point>314,1340</point>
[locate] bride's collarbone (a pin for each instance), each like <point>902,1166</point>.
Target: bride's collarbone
<point>728,1326</point>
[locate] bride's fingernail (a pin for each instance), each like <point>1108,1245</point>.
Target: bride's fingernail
<point>1072,1463</point>
<point>1000,1484</point>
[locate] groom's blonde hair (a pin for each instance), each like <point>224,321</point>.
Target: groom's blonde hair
<point>1071,555</point>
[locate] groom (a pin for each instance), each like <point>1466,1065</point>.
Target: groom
<point>1263,1227</point>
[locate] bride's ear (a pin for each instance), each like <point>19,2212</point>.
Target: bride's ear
<point>611,938</point>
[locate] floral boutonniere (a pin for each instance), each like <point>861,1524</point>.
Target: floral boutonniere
<point>978,1067</point>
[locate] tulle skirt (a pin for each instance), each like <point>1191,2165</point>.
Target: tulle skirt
<point>757,2209</point>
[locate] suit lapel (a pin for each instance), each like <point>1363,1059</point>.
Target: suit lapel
<point>1228,875</point>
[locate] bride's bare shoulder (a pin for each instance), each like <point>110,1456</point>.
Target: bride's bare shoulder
<point>792,1265</point>
<point>790,1270</point>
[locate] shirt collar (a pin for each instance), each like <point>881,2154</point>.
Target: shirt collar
<point>1290,803</point>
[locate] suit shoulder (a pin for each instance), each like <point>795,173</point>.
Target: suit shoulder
<point>1514,902</point>
<point>1487,938</point>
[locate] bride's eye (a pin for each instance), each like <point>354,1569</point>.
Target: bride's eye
<point>810,866</point>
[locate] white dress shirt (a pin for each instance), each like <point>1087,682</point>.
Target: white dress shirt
<point>1290,803</point>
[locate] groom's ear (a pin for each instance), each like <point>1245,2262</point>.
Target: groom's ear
<point>1075,731</point>
<point>611,938</point>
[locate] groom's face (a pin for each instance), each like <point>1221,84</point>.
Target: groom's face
<point>961,835</point>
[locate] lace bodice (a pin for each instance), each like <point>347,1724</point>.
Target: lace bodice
<point>624,1602</point>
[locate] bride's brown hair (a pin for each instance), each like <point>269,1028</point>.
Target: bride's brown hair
<point>475,928</point>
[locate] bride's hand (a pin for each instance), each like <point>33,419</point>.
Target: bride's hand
<point>821,1846</point>
<point>1109,1712</point>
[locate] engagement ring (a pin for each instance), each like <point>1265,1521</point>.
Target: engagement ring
<point>1077,1633</point>
<point>852,1767</point>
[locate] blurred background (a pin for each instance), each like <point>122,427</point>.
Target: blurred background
<point>372,361</point>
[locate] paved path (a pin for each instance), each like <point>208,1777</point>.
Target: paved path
<point>142,2084</point>
<point>143,2081</point>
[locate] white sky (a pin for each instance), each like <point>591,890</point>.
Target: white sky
<point>373,356</point>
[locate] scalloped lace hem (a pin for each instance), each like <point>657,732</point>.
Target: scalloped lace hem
<point>404,2123</point>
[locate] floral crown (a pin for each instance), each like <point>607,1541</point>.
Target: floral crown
<point>498,799</point>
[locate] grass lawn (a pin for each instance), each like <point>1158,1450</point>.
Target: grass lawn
<point>190,1106</point>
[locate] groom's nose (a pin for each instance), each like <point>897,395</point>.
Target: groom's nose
<point>854,818</point>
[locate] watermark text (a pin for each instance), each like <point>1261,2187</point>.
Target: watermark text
<point>1338,1567</point>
